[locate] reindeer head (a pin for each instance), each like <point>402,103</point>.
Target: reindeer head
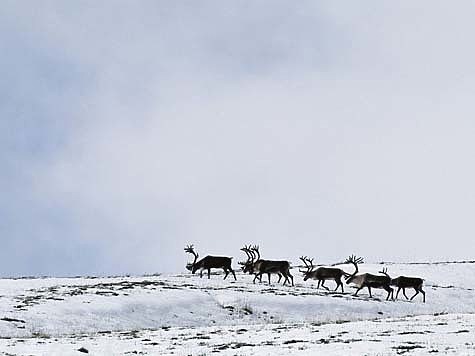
<point>309,264</point>
<point>248,266</point>
<point>190,266</point>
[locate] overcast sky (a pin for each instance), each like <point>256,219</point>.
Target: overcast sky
<point>128,129</point>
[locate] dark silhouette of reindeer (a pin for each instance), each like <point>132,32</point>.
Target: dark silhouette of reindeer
<point>209,262</point>
<point>368,280</point>
<point>322,274</point>
<point>403,282</point>
<point>255,265</point>
<point>252,258</point>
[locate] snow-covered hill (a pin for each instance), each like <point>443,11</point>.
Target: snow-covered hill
<point>185,315</point>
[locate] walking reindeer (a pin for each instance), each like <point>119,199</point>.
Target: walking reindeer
<point>403,282</point>
<point>209,262</point>
<point>255,265</point>
<point>252,257</point>
<point>368,280</point>
<point>322,274</point>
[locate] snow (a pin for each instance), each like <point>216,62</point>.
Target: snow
<point>183,314</point>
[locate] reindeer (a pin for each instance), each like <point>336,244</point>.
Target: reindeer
<point>368,280</point>
<point>322,274</point>
<point>209,262</point>
<point>252,258</point>
<point>403,282</point>
<point>260,267</point>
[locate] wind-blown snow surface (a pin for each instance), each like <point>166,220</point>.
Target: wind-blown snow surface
<point>186,315</point>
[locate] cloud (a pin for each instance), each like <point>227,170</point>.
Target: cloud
<point>308,129</point>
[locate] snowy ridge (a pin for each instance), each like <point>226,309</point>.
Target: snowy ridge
<point>67,307</point>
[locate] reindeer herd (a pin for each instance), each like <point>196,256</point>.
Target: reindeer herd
<point>258,267</point>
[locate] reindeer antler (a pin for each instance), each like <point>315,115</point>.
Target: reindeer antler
<point>250,256</point>
<point>303,259</point>
<point>384,271</point>
<point>306,261</point>
<point>354,260</point>
<point>246,249</point>
<point>189,249</point>
<point>255,248</point>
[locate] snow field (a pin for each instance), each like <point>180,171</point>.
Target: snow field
<point>113,315</point>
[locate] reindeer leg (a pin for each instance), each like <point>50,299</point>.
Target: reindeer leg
<point>201,273</point>
<point>423,295</point>
<point>356,293</point>
<point>209,273</point>
<point>417,292</point>
<point>234,274</point>
<point>339,283</point>
<point>291,277</point>
<point>285,280</point>
<point>390,293</point>
<point>323,285</point>
<point>226,272</point>
<point>255,277</point>
<point>404,292</point>
<point>280,277</point>
<point>369,290</point>
<point>268,276</point>
<point>398,290</point>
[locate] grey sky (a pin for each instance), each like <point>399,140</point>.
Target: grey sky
<point>128,129</point>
